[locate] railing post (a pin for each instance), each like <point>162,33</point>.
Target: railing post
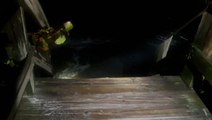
<point>30,88</point>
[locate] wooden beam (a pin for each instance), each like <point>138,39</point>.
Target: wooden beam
<point>34,8</point>
<point>32,82</point>
<point>22,83</point>
<point>43,64</point>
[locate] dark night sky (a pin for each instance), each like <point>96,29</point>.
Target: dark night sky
<point>126,19</point>
<point>115,18</point>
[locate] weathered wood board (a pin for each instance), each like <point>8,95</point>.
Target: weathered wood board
<point>126,98</point>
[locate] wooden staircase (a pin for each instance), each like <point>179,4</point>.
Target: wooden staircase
<point>125,98</point>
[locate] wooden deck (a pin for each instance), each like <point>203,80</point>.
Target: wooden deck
<point>134,98</point>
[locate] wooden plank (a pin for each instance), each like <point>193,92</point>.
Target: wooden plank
<point>32,82</point>
<point>118,113</point>
<point>201,55</point>
<point>30,88</point>
<point>172,80</point>
<point>145,98</point>
<point>164,48</point>
<point>202,64</point>
<point>164,96</point>
<point>22,83</point>
<point>203,34</point>
<point>16,30</point>
<point>34,8</point>
<point>106,85</point>
<point>43,64</point>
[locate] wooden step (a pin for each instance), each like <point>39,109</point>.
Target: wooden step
<point>126,98</point>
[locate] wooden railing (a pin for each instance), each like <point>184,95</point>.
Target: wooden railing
<point>18,34</point>
<point>27,78</point>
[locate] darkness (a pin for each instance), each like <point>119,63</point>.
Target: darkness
<point>122,20</point>
<point>112,38</point>
<point>126,32</point>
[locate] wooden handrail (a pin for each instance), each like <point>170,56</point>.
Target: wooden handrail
<point>22,83</point>
<point>27,77</point>
<point>187,23</point>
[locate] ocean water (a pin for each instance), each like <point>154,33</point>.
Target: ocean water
<point>121,38</point>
